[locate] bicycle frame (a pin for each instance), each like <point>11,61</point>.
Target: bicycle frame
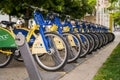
<point>79,31</point>
<point>31,36</point>
<point>40,21</point>
<point>6,36</point>
<point>34,39</point>
<point>56,21</point>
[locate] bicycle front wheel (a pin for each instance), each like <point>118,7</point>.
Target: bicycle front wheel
<point>58,55</point>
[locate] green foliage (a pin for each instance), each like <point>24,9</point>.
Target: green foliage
<point>13,7</point>
<point>116,14</point>
<point>112,7</point>
<point>75,8</point>
<point>91,4</point>
<point>116,9</point>
<point>111,1</point>
<point>78,8</point>
<point>116,17</point>
<point>111,68</point>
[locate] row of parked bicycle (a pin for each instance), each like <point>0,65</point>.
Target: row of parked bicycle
<point>52,43</point>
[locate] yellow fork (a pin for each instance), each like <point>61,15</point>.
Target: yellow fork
<point>6,52</point>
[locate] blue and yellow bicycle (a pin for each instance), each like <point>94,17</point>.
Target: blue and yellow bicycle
<point>48,48</point>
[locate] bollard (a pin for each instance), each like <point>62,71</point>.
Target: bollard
<point>29,62</point>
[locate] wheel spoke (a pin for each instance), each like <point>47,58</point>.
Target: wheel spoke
<point>71,55</point>
<point>55,56</point>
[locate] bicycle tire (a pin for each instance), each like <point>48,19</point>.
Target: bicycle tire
<point>92,42</point>
<point>103,37</point>
<point>96,40</point>
<point>7,58</point>
<point>101,40</point>
<point>85,44</point>
<point>74,51</point>
<point>18,57</point>
<point>58,60</point>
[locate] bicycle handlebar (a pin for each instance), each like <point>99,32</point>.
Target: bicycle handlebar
<point>36,8</point>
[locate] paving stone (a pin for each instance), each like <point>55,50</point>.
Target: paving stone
<point>83,69</point>
<point>93,62</point>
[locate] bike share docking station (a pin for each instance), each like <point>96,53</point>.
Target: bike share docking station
<point>26,54</point>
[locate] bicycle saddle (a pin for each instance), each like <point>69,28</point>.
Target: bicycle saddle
<point>8,23</point>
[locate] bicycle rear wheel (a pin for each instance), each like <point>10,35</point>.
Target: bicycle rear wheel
<point>4,59</point>
<point>58,55</point>
<point>113,37</point>
<point>96,41</point>
<point>101,40</point>
<point>92,42</point>
<point>17,55</point>
<point>74,46</point>
<point>85,45</point>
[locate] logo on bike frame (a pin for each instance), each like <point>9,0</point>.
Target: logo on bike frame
<point>4,37</point>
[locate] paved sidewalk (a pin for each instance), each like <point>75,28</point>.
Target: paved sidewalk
<point>89,68</point>
<point>84,69</point>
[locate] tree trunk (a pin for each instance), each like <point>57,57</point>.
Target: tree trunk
<point>10,18</point>
<point>26,21</point>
